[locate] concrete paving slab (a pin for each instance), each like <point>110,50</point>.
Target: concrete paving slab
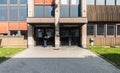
<point>64,60</point>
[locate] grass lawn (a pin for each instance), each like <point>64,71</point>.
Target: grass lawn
<point>6,53</point>
<point>111,54</point>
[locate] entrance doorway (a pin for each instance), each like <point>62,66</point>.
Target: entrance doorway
<point>70,36</point>
<point>40,31</point>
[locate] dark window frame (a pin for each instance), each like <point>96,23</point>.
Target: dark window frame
<point>118,35</point>
<point>95,3</point>
<point>104,31</point>
<point>13,32</point>
<point>70,5</point>
<point>114,30</point>
<point>44,11</point>
<point>93,25</point>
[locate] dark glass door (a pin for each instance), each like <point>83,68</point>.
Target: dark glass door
<point>39,32</point>
<point>69,36</point>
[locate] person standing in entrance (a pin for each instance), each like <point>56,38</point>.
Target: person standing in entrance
<point>45,37</point>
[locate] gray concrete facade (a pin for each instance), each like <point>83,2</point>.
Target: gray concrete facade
<point>57,22</point>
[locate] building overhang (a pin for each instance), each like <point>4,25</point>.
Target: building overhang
<point>74,20</point>
<point>40,20</point>
<point>61,20</point>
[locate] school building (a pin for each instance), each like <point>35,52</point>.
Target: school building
<point>66,22</point>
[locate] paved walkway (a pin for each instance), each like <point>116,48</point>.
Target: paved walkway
<point>65,60</point>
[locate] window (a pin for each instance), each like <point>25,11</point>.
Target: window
<point>3,13</point>
<point>13,33</point>
<point>118,2</point>
<point>110,29</point>
<point>110,2</point>
<point>90,2</point>
<point>118,29</point>
<point>3,1</point>
<point>100,29</point>
<point>23,13</point>
<point>23,1</point>
<point>13,13</point>
<point>24,33</point>
<point>39,11</point>
<point>64,11</point>
<point>13,1</point>
<point>74,11</point>
<point>100,2</point>
<point>64,2</point>
<point>90,29</point>
<point>49,11</point>
<point>75,2</point>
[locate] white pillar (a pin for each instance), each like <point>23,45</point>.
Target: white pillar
<point>30,29</point>
<point>84,26</point>
<point>30,36</point>
<point>30,8</point>
<point>84,8</point>
<point>84,35</point>
<point>57,16</point>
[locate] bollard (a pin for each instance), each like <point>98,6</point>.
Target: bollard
<point>91,42</point>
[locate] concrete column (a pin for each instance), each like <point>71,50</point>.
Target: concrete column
<point>30,8</point>
<point>83,8</point>
<point>30,36</point>
<point>57,16</point>
<point>84,35</point>
<point>84,26</point>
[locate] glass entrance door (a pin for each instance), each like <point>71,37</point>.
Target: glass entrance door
<point>39,32</point>
<point>69,36</point>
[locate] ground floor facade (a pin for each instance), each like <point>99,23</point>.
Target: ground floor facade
<point>70,34</point>
<point>67,35</point>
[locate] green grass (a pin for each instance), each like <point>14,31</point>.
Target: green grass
<point>6,53</point>
<point>111,54</point>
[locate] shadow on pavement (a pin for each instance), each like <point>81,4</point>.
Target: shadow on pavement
<point>89,64</point>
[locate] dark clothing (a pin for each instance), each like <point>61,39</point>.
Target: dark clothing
<point>45,37</point>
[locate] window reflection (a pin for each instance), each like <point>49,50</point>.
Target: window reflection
<point>110,29</point>
<point>3,13</point>
<point>90,29</point>
<point>3,1</point>
<point>23,13</point>
<point>23,1</point>
<point>13,1</point>
<point>13,13</point>
<point>100,2</point>
<point>90,2</point>
<point>100,29</point>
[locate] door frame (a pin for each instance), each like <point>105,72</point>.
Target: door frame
<point>44,28</point>
<point>69,29</point>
